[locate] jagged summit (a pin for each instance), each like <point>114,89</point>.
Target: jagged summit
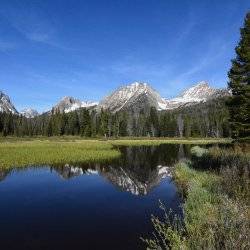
<point>6,104</point>
<point>136,95</point>
<point>29,113</point>
<point>133,97</point>
<point>68,104</point>
<point>140,95</point>
<point>200,92</point>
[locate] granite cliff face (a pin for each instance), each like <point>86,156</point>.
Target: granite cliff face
<point>6,104</point>
<point>68,104</point>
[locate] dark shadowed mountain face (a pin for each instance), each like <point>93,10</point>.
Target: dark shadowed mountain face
<point>6,105</point>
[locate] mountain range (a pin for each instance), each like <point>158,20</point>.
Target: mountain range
<point>132,97</point>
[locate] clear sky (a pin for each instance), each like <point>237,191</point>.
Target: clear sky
<point>86,49</point>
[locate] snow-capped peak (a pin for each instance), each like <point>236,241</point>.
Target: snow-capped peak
<point>138,85</point>
<point>200,92</point>
<point>68,104</point>
<point>129,95</point>
<point>29,113</point>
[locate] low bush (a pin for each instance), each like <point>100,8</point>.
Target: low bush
<point>216,204</point>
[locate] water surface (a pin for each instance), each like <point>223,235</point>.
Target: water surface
<point>95,206</point>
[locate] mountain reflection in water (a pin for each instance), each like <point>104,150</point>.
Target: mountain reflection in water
<point>70,206</point>
<point>138,171</point>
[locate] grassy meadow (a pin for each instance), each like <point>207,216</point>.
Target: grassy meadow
<point>19,152</point>
<point>41,152</point>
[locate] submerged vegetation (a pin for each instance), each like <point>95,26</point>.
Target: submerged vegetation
<point>216,203</point>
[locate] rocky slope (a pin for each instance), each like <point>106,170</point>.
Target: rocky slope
<point>131,180</point>
<point>134,96</point>
<point>201,92</point>
<point>6,104</point>
<point>68,104</point>
<point>29,113</point>
<point>140,95</point>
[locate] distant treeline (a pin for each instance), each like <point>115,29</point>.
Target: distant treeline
<point>208,119</point>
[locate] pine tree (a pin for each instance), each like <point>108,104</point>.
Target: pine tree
<point>239,84</point>
<point>153,117</point>
<point>104,122</point>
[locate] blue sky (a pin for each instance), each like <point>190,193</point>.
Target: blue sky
<point>86,49</point>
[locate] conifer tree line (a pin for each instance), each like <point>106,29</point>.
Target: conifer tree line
<point>204,120</point>
<point>216,118</point>
<point>239,83</point>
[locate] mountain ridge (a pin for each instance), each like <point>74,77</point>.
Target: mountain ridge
<point>29,112</point>
<point>132,97</point>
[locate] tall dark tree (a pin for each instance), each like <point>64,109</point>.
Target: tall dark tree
<point>239,84</point>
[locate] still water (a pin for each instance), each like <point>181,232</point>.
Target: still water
<point>95,206</point>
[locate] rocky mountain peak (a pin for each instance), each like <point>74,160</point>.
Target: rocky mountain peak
<point>136,95</point>
<point>6,104</point>
<point>200,92</point>
<point>29,113</point>
<point>68,104</point>
<point>68,100</point>
<point>133,97</point>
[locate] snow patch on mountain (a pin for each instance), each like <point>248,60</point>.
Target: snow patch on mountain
<point>29,113</point>
<point>200,92</point>
<point>137,93</point>
<point>69,104</point>
<point>84,104</point>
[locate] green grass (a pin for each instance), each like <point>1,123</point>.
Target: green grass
<point>19,152</point>
<point>24,153</point>
<point>158,141</point>
<point>216,205</point>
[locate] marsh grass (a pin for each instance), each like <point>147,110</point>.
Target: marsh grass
<point>19,152</point>
<point>159,141</point>
<point>216,204</point>
<point>232,165</point>
<point>26,153</point>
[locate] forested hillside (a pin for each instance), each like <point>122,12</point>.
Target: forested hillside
<point>208,119</point>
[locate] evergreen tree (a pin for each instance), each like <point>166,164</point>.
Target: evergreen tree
<point>154,122</point>
<point>239,84</point>
<point>104,123</point>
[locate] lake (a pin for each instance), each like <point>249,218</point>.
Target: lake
<point>94,206</point>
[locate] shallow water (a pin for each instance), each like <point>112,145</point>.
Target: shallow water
<point>95,206</point>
